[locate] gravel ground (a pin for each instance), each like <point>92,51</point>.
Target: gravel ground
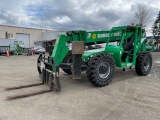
<point>128,97</point>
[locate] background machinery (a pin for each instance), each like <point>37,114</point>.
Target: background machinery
<point>12,46</point>
<point>18,48</point>
<point>153,44</point>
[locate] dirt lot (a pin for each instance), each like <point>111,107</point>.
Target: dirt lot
<point>128,97</point>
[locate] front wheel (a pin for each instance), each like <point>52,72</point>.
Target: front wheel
<point>100,69</point>
<point>143,63</point>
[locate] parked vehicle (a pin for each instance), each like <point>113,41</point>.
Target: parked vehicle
<point>37,49</point>
<point>96,46</point>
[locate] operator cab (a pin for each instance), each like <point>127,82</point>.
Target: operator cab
<point>129,41</point>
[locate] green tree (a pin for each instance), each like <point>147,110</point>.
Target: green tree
<point>156,32</point>
<point>156,26</point>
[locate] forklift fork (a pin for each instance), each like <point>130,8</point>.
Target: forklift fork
<point>46,75</point>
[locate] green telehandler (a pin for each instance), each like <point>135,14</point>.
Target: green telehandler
<point>129,49</point>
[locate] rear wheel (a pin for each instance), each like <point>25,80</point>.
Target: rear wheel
<point>100,69</point>
<point>143,63</point>
<point>68,59</point>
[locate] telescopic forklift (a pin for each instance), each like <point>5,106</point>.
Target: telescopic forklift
<point>128,50</point>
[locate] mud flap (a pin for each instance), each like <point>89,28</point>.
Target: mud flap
<point>76,68</point>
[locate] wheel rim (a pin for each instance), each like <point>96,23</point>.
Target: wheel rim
<point>146,64</point>
<point>104,69</point>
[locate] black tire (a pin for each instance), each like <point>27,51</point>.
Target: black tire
<point>143,63</point>
<point>68,59</point>
<point>95,67</point>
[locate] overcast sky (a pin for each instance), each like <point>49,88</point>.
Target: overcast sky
<point>73,14</point>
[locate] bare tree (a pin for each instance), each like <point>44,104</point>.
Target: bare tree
<point>142,15</point>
